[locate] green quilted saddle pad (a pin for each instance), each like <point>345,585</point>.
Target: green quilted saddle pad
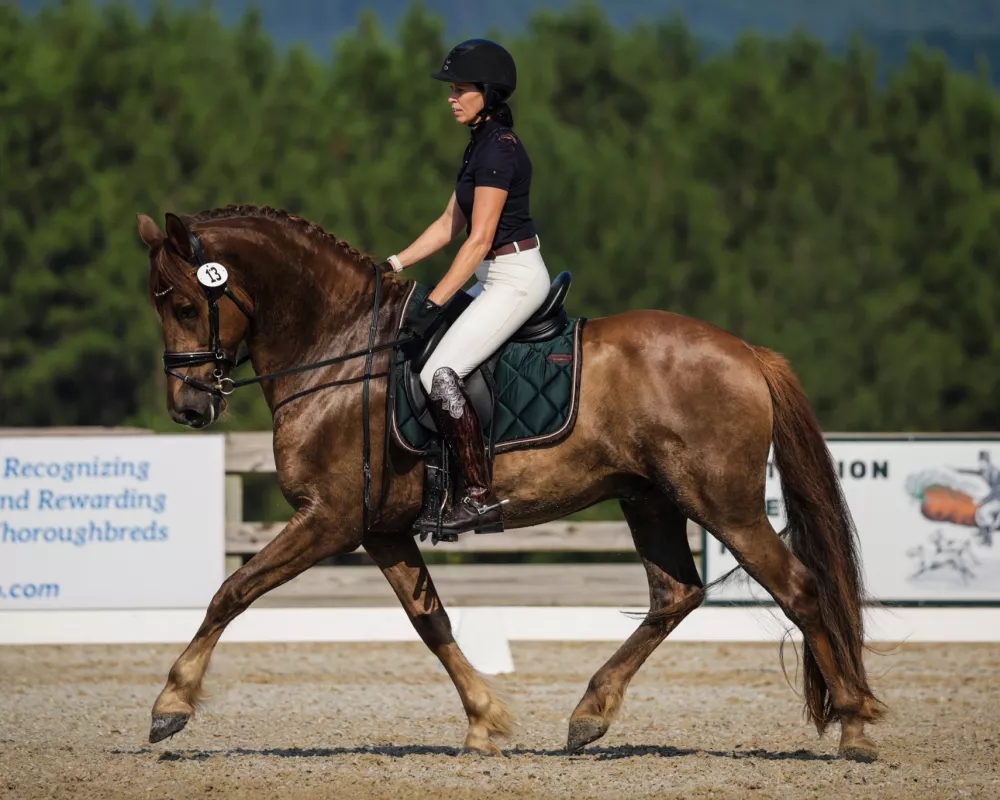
<point>538,389</point>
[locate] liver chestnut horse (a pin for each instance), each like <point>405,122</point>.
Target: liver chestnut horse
<point>675,421</point>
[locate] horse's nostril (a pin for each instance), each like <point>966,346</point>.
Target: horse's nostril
<point>192,417</point>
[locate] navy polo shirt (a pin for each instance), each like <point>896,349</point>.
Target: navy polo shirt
<point>496,157</point>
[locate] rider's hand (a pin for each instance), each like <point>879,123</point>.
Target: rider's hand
<point>421,320</point>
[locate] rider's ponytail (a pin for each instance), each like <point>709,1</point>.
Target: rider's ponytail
<point>495,105</point>
<point>503,115</point>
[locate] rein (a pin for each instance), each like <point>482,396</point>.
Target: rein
<point>213,279</point>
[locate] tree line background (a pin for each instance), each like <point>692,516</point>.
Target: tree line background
<point>801,196</point>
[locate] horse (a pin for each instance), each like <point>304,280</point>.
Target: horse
<point>675,421</point>
<point>947,553</point>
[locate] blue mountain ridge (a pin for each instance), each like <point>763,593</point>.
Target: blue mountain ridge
<point>965,30</point>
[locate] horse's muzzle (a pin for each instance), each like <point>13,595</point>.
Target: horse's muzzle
<point>198,412</point>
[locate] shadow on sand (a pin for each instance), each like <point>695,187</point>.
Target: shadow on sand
<point>402,751</point>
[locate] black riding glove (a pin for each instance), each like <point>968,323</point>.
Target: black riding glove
<point>421,320</point>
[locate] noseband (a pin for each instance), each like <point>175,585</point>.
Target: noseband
<point>212,278</point>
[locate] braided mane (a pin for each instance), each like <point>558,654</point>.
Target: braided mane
<point>291,220</point>
<point>167,275</point>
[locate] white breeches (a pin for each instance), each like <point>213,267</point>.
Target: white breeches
<point>510,289</point>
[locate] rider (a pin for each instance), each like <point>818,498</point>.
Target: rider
<point>490,201</point>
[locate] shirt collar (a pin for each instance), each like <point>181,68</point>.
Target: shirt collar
<point>479,131</point>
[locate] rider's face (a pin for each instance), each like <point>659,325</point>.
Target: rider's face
<point>466,102</point>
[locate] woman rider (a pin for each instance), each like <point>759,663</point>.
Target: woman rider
<point>490,201</point>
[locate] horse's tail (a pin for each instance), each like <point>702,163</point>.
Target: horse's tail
<point>821,534</point>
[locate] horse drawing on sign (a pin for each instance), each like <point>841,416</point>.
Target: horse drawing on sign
<point>675,418</point>
<point>944,553</point>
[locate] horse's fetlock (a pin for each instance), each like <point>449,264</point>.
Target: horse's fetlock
<point>480,702</point>
<point>599,686</point>
<point>871,709</point>
<point>175,677</point>
<point>847,708</point>
<point>607,695</point>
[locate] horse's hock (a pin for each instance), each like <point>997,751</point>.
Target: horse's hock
<point>607,570</point>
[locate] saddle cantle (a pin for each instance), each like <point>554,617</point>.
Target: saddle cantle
<point>545,324</point>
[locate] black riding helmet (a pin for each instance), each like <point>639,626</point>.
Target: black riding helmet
<point>484,63</point>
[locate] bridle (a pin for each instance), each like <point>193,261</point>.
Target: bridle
<point>213,279</point>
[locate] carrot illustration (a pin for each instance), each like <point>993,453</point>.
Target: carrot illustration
<point>942,504</point>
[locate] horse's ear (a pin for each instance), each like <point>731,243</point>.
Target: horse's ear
<point>177,234</point>
<point>149,231</point>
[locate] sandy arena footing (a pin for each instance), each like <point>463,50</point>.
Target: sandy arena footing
<point>382,720</point>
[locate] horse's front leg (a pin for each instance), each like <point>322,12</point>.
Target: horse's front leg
<point>401,562</point>
<point>310,536</point>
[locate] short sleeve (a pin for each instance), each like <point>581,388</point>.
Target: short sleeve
<point>497,163</point>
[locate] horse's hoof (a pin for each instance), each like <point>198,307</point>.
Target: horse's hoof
<point>860,749</point>
<point>583,731</point>
<point>165,725</point>
<point>483,749</point>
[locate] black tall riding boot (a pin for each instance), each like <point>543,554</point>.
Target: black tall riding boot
<point>476,507</point>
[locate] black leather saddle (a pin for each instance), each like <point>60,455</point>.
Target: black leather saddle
<point>544,324</point>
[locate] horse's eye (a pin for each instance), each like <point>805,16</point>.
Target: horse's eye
<point>187,312</point>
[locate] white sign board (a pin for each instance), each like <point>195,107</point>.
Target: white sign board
<point>111,521</point>
<point>927,514</point>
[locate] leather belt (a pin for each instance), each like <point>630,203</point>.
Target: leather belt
<point>513,247</point>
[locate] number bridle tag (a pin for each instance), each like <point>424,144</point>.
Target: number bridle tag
<point>212,275</point>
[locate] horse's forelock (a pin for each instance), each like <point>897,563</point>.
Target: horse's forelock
<point>167,274</point>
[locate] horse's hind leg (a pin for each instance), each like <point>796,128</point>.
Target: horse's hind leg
<point>766,558</point>
<point>401,562</point>
<point>675,589</point>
